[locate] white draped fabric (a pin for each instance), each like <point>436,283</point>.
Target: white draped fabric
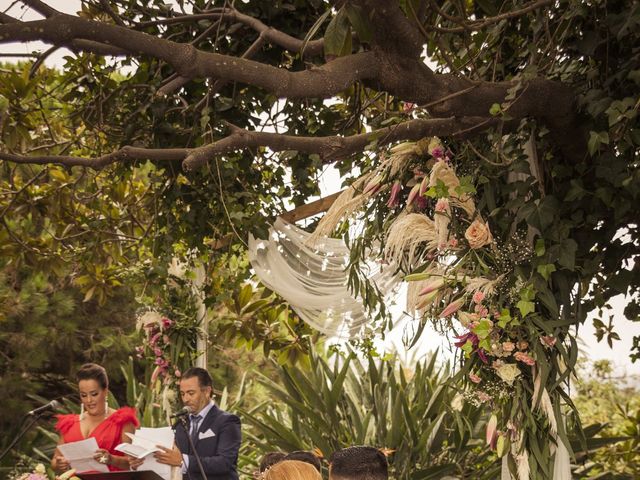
<point>314,279</point>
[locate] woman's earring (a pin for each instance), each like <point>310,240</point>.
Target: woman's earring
<point>106,408</point>
<point>81,411</point>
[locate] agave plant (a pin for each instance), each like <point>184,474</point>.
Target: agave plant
<point>375,401</point>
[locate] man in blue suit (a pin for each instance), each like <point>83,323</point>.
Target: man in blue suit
<point>215,433</point>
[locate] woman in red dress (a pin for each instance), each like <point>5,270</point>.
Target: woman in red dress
<point>96,419</point>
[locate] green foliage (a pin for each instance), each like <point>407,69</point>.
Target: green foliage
<point>612,404</point>
<point>375,401</point>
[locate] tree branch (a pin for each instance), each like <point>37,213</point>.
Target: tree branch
<point>124,154</point>
<point>273,36</point>
<point>480,24</point>
<point>330,148</point>
<point>189,62</point>
<point>41,7</point>
<point>334,148</point>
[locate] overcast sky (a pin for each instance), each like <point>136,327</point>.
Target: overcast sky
<point>330,183</point>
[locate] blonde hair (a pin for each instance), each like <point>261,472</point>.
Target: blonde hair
<point>291,470</point>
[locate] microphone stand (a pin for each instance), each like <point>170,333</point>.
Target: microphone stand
<point>21,433</point>
<point>192,448</point>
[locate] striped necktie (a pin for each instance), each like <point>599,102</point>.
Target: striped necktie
<point>195,423</point>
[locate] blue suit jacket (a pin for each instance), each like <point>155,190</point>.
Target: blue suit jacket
<point>218,453</point>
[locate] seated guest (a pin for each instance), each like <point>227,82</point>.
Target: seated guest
<point>358,463</point>
<point>270,459</point>
<point>97,420</point>
<point>305,456</point>
<point>291,470</point>
<point>214,432</point>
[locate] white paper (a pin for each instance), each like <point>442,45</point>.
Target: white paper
<point>148,438</point>
<point>137,451</point>
<point>80,455</point>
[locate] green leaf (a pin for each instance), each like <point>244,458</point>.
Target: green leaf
<point>337,37</point>
<point>546,270</point>
<point>359,21</point>
<point>526,307</point>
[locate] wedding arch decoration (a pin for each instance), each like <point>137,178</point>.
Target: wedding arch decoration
<point>483,285</point>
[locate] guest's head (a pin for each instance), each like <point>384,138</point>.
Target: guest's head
<point>93,387</point>
<point>271,458</point>
<point>196,389</point>
<point>358,463</point>
<point>304,456</point>
<point>291,470</point>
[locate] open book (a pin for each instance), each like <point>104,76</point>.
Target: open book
<point>137,451</point>
<point>144,442</point>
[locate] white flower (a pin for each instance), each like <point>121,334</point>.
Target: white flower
<point>148,318</point>
<point>177,268</point>
<point>508,372</point>
<point>457,403</point>
<point>40,469</point>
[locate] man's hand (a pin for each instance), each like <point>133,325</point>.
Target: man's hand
<point>134,462</point>
<point>169,456</point>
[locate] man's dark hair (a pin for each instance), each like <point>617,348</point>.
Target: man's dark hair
<point>304,456</point>
<point>358,463</point>
<point>204,379</point>
<point>271,458</point>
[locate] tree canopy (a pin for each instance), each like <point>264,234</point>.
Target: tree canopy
<point>177,131</point>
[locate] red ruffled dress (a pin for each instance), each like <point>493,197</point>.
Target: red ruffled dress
<point>108,434</point>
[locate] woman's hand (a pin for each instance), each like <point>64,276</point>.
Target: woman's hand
<point>60,464</point>
<point>134,462</point>
<point>103,456</point>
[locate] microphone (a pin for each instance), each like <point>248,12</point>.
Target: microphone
<point>184,411</point>
<point>52,405</point>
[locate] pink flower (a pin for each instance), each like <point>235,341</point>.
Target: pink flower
<point>442,205</point>
<point>484,397</point>
<point>177,373</point>
<point>478,296</point>
<point>408,106</point>
<point>432,286</point>
<point>166,323</point>
<point>452,308</point>
<point>492,431</point>
<point>453,242</point>
<point>157,352</point>
<point>548,341</point>
<point>421,203</point>
<point>413,194</point>
<point>154,339</point>
<point>424,186</point>
<point>474,378</point>
<point>481,310</point>
<point>524,358</point>
<point>508,346</point>
<point>373,186</point>
<point>394,197</point>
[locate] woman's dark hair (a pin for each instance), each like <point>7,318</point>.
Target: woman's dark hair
<point>93,371</point>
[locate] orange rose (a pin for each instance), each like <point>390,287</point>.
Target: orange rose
<point>478,234</point>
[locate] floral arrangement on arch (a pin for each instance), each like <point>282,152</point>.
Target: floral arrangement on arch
<point>168,331</point>
<point>485,291</point>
